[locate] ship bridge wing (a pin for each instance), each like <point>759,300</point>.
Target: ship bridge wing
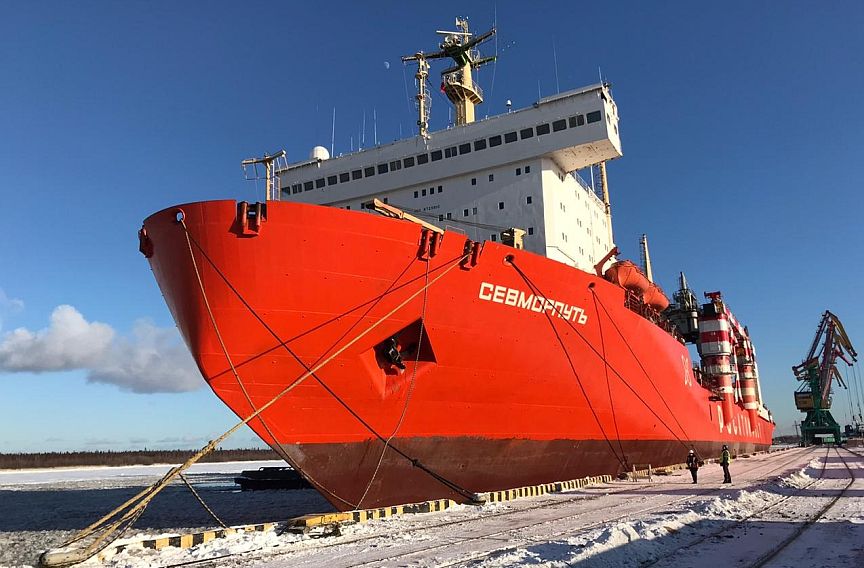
<point>575,129</point>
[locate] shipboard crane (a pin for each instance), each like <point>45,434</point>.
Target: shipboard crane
<point>456,81</point>
<point>816,374</point>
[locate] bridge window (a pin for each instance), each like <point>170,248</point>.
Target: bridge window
<point>450,152</point>
<point>395,165</point>
<point>416,194</point>
<point>319,183</point>
<point>344,177</point>
<point>464,148</point>
<point>527,169</point>
<point>464,212</point>
<point>500,205</point>
<point>369,172</point>
<point>423,193</point>
<point>491,177</point>
<point>530,230</point>
<point>422,159</point>
<point>518,171</point>
<point>296,188</point>
<point>473,181</point>
<point>542,129</point>
<point>473,210</point>
<point>331,180</point>
<point>480,144</point>
<point>382,168</point>
<point>509,137</point>
<point>559,125</point>
<point>526,133</point>
<point>529,200</point>
<point>495,141</point>
<point>409,162</point>
<point>577,120</point>
<point>594,116</point>
<point>357,174</point>
<point>307,186</point>
<point>436,155</point>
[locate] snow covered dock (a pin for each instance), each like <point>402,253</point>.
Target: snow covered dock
<point>800,507</point>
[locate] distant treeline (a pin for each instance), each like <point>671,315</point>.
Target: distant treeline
<point>137,457</point>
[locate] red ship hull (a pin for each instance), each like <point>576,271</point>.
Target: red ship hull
<point>501,387</point>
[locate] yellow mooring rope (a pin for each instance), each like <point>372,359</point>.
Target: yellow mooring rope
<point>112,525</point>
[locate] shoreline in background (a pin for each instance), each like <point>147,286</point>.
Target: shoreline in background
<point>40,460</point>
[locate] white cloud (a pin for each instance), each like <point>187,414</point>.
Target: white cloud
<point>8,306</point>
<point>150,360</point>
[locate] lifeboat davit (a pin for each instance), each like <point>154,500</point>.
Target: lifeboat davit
<point>627,275</point>
<point>655,297</point>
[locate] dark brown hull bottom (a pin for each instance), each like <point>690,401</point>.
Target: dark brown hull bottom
<point>421,469</point>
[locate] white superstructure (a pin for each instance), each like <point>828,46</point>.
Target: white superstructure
<point>511,170</point>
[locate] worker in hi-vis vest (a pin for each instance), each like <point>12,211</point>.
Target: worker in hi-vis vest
<point>724,463</point>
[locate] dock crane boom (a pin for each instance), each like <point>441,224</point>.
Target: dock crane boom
<point>816,374</point>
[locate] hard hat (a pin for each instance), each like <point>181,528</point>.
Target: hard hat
<point>691,451</point>
<point>725,447</point>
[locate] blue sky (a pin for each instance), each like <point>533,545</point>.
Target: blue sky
<point>741,123</point>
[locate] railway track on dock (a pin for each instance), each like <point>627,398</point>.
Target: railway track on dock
<point>673,557</point>
<point>784,545</point>
<point>476,529</point>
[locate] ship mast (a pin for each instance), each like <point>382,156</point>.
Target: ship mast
<point>270,177</point>
<point>456,82</point>
<point>604,185</point>
<point>646,258</point>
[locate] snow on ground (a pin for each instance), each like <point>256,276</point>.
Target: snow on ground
<point>47,507</point>
<point>663,523</point>
<point>12,478</point>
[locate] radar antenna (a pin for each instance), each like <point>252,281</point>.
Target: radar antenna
<point>456,81</point>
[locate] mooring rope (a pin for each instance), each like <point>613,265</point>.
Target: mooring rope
<point>608,382</point>
<point>130,510</point>
<point>284,344</point>
<point>600,355</point>
<point>407,395</point>
<point>225,348</point>
<point>203,504</point>
<point>622,460</point>
<point>639,362</point>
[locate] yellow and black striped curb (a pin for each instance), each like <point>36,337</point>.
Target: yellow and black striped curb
<point>193,539</point>
<point>542,489</point>
<point>307,522</point>
<point>364,515</point>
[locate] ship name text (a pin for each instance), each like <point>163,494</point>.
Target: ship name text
<point>519,299</point>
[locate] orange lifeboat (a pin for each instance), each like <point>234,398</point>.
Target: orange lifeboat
<point>627,275</point>
<point>655,297</point>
